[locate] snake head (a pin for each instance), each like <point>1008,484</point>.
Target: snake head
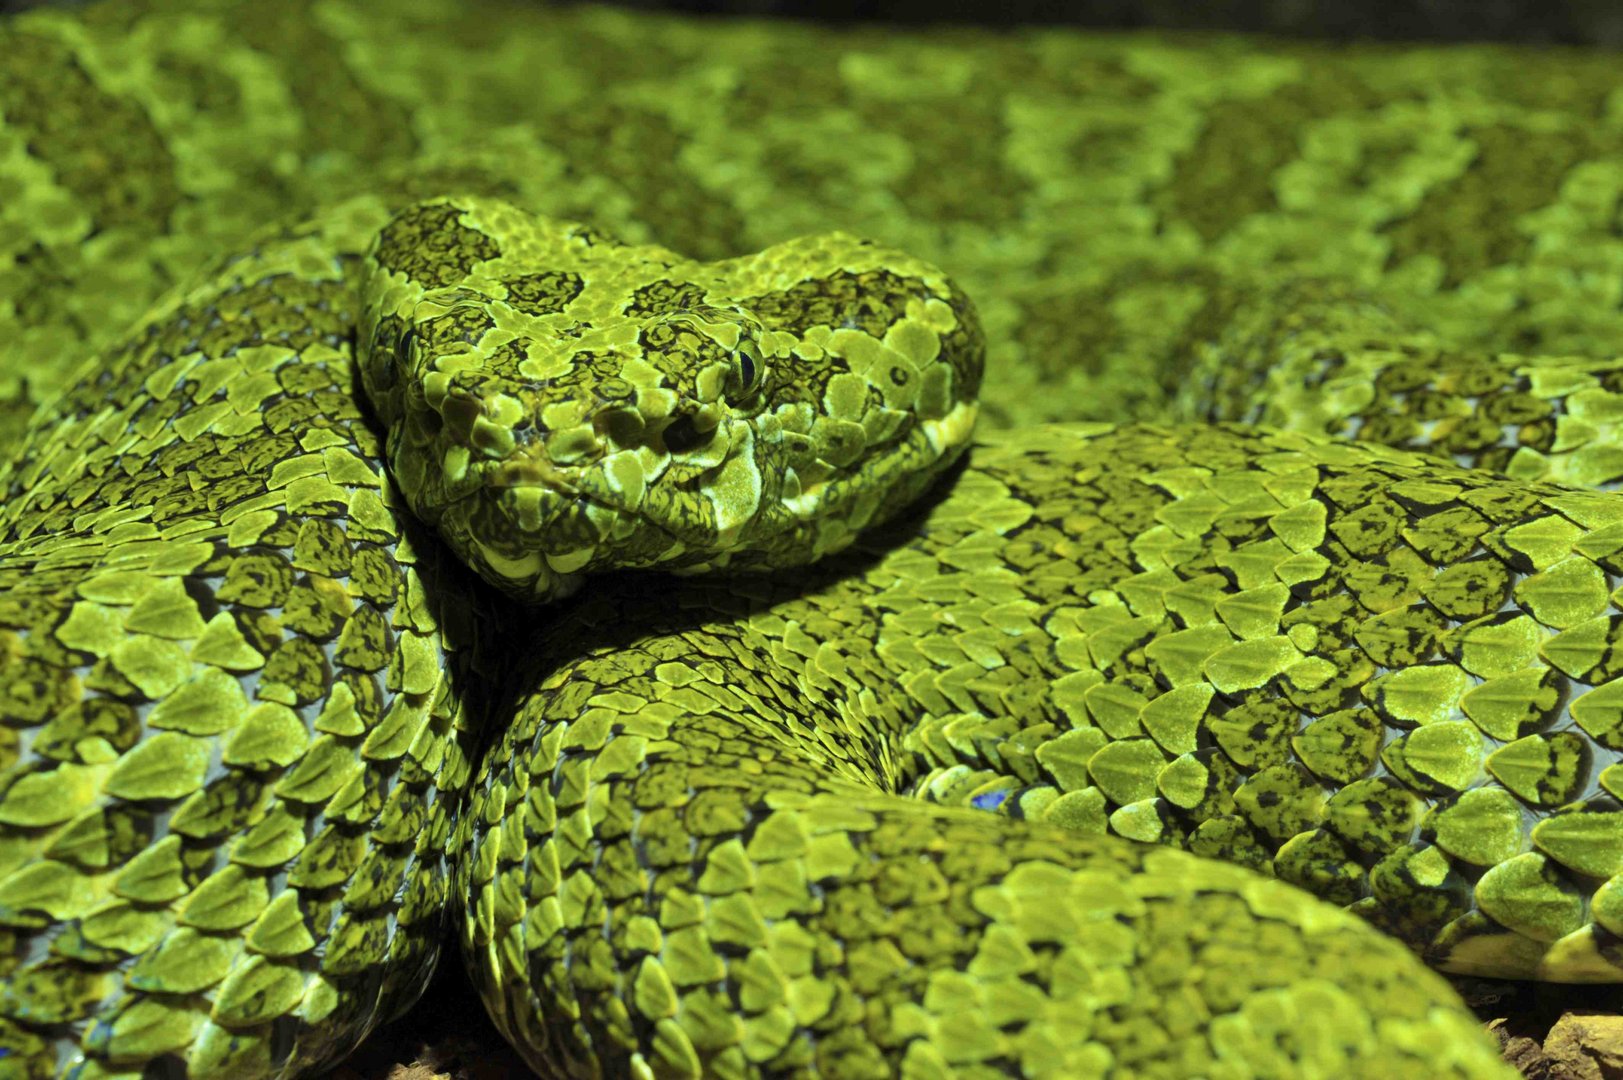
<point>558,404</point>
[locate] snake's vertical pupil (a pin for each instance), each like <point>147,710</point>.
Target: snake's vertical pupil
<point>408,340</point>
<point>746,371</point>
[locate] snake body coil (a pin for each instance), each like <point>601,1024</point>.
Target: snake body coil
<point>439,566</point>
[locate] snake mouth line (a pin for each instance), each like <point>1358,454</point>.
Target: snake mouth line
<point>558,484</point>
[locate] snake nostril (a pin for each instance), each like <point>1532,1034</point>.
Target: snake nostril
<point>460,412</point>
<point>623,427</point>
<point>682,435</point>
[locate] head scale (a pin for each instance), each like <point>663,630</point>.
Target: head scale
<point>558,403</point>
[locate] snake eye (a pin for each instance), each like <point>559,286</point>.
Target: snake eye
<point>681,435</point>
<point>749,370</point>
<point>407,342</point>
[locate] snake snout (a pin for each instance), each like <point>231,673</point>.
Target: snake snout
<point>529,471</point>
<point>559,486</point>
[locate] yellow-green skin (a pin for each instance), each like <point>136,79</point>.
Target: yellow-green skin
<point>560,404</point>
<point>849,818</point>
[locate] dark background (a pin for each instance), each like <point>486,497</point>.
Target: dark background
<point>1571,22</point>
<point>1568,22</point>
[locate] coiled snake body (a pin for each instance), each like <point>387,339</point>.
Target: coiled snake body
<point>891,777</point>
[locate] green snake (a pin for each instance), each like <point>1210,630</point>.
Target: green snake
<point>467,480</point>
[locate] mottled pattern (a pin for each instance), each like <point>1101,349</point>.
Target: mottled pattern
<point>236,734</point>
<point>864,817</point>
<point>1087,190</point>
<point>699,871</point>
<point>239,731</point>
<point>560,404</point>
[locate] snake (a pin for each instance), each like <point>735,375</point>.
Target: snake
<point>800,551</point>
